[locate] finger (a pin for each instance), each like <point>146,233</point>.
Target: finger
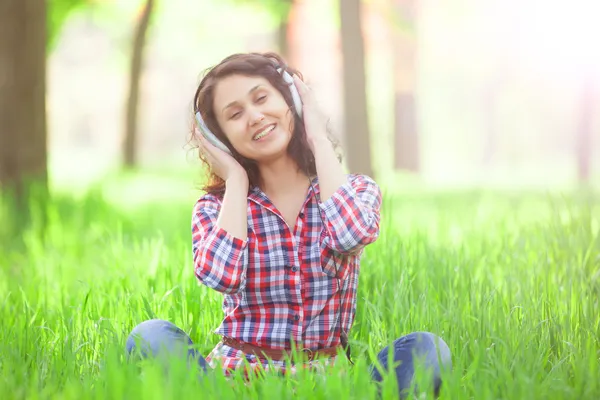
<point>303,90</point>
<point>306,94</point>
<point>206,150</point>
<point>200,136</point>
<point>202,152</point>
<point>201,144</point>
<point>206,145</point>
<point>208,157</point>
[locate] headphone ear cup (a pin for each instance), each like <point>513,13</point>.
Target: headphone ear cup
<point>209,135</point>
<point>294,91</point>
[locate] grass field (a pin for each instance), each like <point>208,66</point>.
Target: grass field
<point>510,281</point>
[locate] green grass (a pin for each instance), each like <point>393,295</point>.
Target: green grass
<point>510,281</point>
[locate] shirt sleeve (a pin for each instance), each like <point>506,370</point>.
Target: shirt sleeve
<point>352,215</point>
<point>219,258</point>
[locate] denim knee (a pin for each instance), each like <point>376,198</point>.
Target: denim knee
<point>429,349</point>
<point>158,338</point>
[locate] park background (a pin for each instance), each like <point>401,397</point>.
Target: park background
<point>479,118</point>
<point>455,93</point>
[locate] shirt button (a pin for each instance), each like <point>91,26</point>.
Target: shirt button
<point>296,317</point>
<point>294,269</point>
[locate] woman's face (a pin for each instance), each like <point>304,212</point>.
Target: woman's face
<point>254,116</point>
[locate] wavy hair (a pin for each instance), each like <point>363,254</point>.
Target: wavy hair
<point>251,64</point>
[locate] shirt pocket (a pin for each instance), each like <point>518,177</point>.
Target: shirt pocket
<point>324,272</point>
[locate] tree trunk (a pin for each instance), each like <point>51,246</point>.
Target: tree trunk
<point>358,148</point>
<point>282,38</point>
<point>405,79</point>
<point>23,148</point>
<point>584,132</point>
<point>131,134</point>
<point>405,129</point>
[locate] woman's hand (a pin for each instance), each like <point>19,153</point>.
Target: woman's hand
<point>315,121</point>
<point>221,163</point>
<point>329,169</point>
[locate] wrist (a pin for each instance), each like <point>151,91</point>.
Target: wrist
<point>238,179</point>
<point>320,142</point>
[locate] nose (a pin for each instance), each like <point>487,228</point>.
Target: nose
<point>255,116</point>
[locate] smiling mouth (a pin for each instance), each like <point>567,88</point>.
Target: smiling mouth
<point>264,132</point>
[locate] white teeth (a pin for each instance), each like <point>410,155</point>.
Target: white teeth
<point>264,133</point>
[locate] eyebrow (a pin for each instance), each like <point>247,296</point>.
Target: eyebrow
<point>255,88</point>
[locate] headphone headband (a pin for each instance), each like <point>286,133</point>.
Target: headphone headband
<point>293,90</point>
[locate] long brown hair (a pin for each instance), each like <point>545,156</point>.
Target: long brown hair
<point>252,64</point>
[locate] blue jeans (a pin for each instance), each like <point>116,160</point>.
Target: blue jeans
<point>157,337</point>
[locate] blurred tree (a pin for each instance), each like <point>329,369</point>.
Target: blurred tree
<point>28,31</point>
<point>354,84</point>
<point>131,119</point>
<point>23,153</point>
<point>280,10</point>
<point>402,19</point>
<point>405,80</point>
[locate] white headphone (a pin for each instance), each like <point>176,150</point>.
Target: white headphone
<point>295,98</point>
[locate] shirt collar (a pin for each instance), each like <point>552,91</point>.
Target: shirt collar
<point>258,196</point>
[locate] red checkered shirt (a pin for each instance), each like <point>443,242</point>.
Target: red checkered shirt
<point>279,285</point>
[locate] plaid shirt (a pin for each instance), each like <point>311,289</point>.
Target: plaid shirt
<point>280,285</point>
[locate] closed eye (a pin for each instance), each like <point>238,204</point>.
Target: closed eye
<point>260,99</point>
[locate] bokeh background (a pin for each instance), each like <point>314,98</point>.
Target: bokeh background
<point>456,93</point>
<point>480,120</point>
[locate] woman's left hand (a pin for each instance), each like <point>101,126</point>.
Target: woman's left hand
<point>315,121</point>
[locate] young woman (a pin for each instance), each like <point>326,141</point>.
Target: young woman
<point>281,228</point>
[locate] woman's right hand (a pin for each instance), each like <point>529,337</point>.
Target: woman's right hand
<point>221,163</point>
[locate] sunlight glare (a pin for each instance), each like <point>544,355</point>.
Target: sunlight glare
<point>557,37</point>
